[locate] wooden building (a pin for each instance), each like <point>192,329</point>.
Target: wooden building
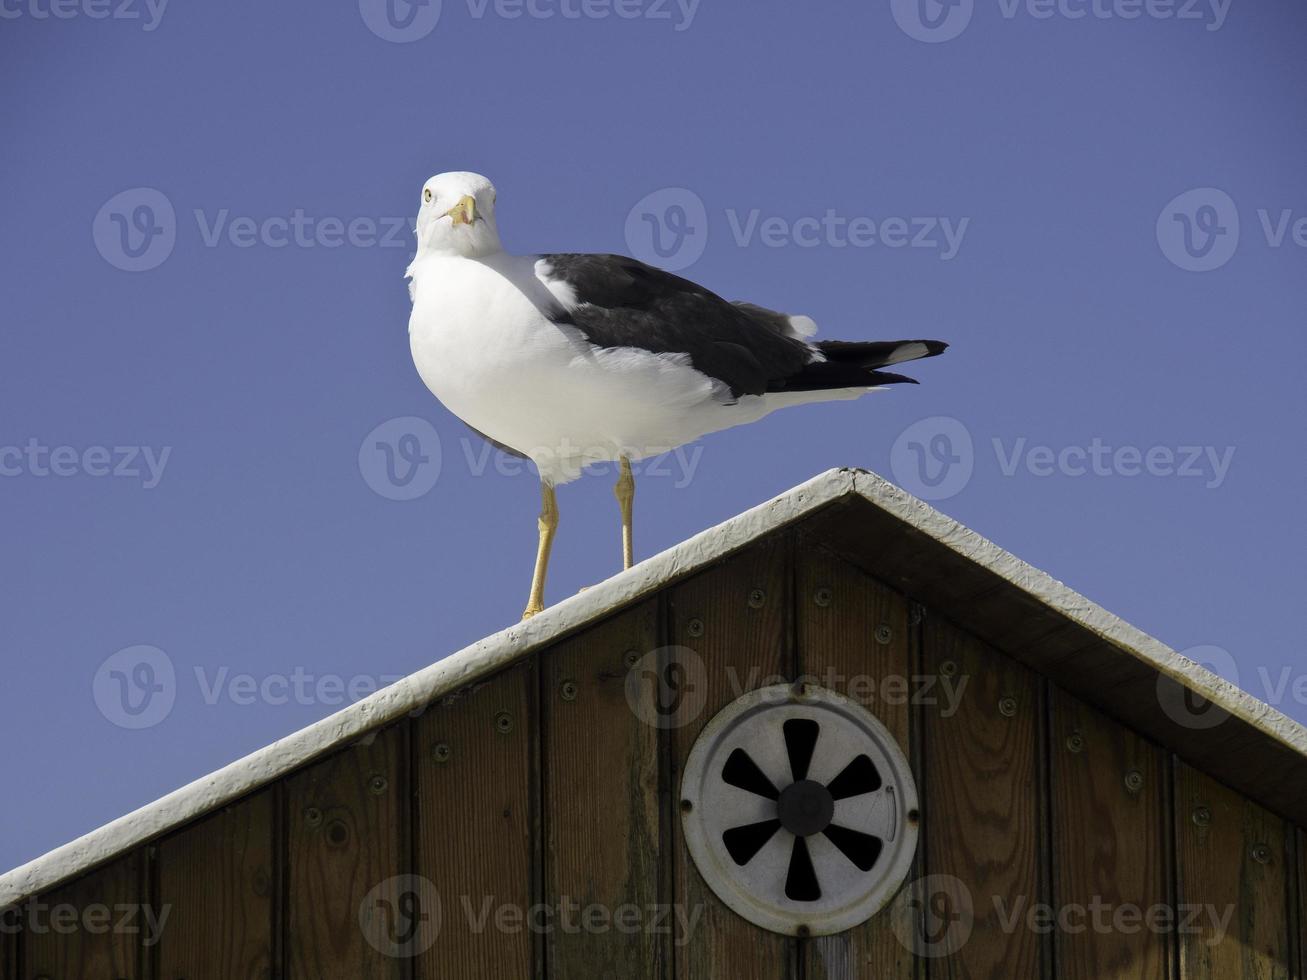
<point>838,736</point>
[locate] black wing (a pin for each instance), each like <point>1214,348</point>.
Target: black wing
<point>623,302</point>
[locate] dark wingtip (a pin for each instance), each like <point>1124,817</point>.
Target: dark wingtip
<point>934,347</point>
<point>886,378</point>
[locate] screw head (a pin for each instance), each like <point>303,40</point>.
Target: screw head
<point>686,806</point>
<point>1134,781</point>
<point>802,931</point>
<point>694,627</point>
<point>1202,816</point>
<point>948,668</point>
<point>1261,854</point>
<point>441,751</point>
<point>756,598</point>
<point>1075,742</point>
<point>377,784</point>
<point>1007,707</point>
<point>884,634</point>
<point>823,597</point>
<point>631,658</point>
<point>567,690</point>
<point>313,816</point>
<point>503,723</point>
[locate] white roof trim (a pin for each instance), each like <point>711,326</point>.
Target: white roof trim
<point>489,655</point>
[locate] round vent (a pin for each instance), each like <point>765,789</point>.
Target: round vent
<point>799,810</point>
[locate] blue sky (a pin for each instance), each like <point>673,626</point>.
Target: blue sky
<point>206,212</point>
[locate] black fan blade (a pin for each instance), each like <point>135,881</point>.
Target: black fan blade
<point>742,772</point>
<point>800,741</point>
<point>859,776</point>
<point>742,843</point>
<point>862,849</point>
<point>801,881</point>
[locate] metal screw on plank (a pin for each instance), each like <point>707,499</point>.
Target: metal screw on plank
<point>313,817</point>
<point>884,634</point>
<point>377,784</point>
<point>1075,742</point>
<point>686,806</point>
<point>948,668</point>
<point>756,598</point>
<point>803,932</point>
<point>1202,816</point>
<point>1007,707</point>
<point>503,723</point>
<point>568,690</point>
<point>823,597</point>
<point>337,833</point>
<point>1134,781</point>
<point>1261,854</point>
<point>694,627</point>
<point>632,657</point>
<point>441,751</point>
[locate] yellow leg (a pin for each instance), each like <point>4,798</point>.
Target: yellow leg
<point>625,493</point>
<point>547,524</point>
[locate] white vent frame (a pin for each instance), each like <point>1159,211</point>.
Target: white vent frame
<point>711,806</point>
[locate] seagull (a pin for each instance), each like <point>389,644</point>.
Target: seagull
<point>575,359</point>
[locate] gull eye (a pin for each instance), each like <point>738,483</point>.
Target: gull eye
<point>426,194</point>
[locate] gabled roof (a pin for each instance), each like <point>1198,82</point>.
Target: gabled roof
<point>905,543</point>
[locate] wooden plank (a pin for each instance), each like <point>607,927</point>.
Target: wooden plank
<point>94,927</point>
<point>603,821</point>
<point>742,646</point>
<point>9,939</point>
<point>347,825</point>
<point>217,878</point>
<point>1232,874</point>
<point>983,833</point>
<point>839,610</point>
<point>1302,902</point>
<point>477,817</point>
<point>1111,847</point>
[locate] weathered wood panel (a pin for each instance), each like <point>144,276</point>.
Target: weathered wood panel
<point>217,879</point>
<point>602,808</point>
<point>9,926</point>
<point>853,637</point>
<point>735,620</point>
<point>1232,872</point>
<point>1302,902</point>
<point>982,809</point>
<point>347,828</point>
<point>94,927</point>
<point>477,814</point>
<point>1111,848</point>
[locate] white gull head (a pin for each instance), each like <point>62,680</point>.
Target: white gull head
<point>457,217</point>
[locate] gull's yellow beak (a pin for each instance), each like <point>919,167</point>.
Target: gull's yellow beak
<point>464,212</point>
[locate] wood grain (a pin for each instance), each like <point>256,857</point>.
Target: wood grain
<point>477,813</point>
<point>93,928</point>
<point>1233,861</point>
<point>218,878</point>
<point>1111,847</point>
<point>742,647</point>
<point>982,811</point>
<point>347,821</point>
<point>9,940</point>
<point>1301,836</point>
<point>602,809</point>
<point>838,612</point>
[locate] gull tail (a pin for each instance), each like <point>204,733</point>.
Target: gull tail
<point>856,364</point>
